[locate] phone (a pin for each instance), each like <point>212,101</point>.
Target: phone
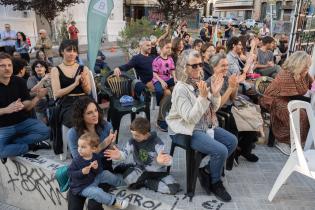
<point>30,155</point>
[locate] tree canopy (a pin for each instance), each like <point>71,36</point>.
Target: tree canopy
<point>177,9</point>
<point>49,9</point>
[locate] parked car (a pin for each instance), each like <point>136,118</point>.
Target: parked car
<point>250,23</point>
<point>210,19</point>
<point>227,20</point>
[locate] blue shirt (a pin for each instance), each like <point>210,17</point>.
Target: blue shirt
<point>22,47</point>
<point>73,138</point>
<point>143,66</point>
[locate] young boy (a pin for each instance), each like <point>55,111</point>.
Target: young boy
<point>149,169</point>
<point>86,174</point>
<point>163,76</point>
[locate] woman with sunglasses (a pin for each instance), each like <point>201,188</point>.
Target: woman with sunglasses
<point>41,79</point>
<point>193,113</point>
<point>21,46</point>
<point>69,80</point>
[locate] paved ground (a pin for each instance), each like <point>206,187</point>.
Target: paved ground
<point>249,183</point>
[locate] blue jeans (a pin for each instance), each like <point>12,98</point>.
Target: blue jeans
<point>14,139</point>
<point>96,193</point>
<point>219,149</point>
<point>159,91</point>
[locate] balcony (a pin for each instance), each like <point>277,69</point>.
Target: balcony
<point>234,4</point>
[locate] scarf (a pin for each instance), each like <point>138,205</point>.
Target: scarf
<point>209,117</point>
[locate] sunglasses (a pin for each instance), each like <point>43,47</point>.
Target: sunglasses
<point>195,66</point>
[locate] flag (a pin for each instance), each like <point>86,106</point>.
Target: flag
<point>98,13</point>
<point>215,36</point>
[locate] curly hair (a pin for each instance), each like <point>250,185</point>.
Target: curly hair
<point>79,108</point>
<point>42,63</point>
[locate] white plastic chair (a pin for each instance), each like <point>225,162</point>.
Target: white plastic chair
<point>299,160</point>
<point>65,129</point>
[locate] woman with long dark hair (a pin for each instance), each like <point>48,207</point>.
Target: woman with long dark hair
<point>177,48</point>
<point>69,80</point>
<point>21,46</point>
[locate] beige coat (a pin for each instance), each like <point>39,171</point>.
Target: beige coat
<point>46,44</point>
<point>187,109</point>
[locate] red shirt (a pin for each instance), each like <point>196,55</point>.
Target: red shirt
<point>73,31</point>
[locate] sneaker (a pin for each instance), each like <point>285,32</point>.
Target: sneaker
<point>219,191</point>
<point>4,160</point>
<point>39,145</point>
<point>284,148</point>
<point>205,180</point>
<point>162,125</point>
<point>120,204</point>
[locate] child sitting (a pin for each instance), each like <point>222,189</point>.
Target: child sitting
<point>149,169</point>
<point>163,68</point>
<point>86,174</point>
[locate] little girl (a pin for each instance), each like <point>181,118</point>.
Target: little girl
<point>163,68</point>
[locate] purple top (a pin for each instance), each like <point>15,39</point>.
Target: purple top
<point>163,67</point>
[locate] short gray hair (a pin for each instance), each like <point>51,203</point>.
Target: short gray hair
<point>143,40</point>
<point>215,59</point>
<point>183,60</point>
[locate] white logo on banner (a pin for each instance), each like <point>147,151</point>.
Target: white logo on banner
<point>101,7</point>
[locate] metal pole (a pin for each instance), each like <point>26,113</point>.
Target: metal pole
<point>294,28</point>
<point>271,20</point>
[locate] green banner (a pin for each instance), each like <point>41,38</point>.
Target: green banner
<point>98,13</point>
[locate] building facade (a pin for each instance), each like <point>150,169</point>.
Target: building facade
<point>24,21</point>
<point>136,9</point>
<point>240,9</point>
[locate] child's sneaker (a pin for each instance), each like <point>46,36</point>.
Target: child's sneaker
<point>120,204</point>
<point>162,125</point>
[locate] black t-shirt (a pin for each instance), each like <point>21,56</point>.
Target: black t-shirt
<point>9,93</point>
<point>228,32</point>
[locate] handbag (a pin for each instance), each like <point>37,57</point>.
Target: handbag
<point>247,115</point>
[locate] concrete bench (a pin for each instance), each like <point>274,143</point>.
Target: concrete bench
<point>29,183</point>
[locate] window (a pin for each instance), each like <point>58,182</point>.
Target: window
<point>263,10</point>
<point>278,9</point>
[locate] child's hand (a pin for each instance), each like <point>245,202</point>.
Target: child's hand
<point>163,159</point>
<point>111,138</point>
<point>94,164</point>
<point>112,154</point>
<point>164,84</point>
<point>86,170</point>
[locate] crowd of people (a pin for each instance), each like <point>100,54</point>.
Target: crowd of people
<point>202,77</point>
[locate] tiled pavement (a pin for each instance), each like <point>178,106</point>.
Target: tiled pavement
<point>248,183</point>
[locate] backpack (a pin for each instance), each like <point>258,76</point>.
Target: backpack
<point>62,178</point>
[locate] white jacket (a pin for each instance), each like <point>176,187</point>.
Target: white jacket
<point>187,109</point>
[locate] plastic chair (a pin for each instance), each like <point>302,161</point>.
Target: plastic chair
<point>117,87</point>
<point>193,160</point>
<point>299,160</point>
<point>65,129</point>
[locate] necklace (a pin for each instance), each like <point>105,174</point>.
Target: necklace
<point>68,64</point>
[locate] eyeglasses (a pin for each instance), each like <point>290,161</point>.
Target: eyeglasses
<point>195,66</point>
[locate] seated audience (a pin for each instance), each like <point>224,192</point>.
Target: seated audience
<point>265,60</point>
<point>197,45</point>
<point>21,46</point>
<point>69,80</point>
<point>177,48</point>
<point>18,132</point>
<point>193,113</point>
<point>19,68</point>
<point>142,63</point>
<point>164,77</point>
<point>150,160</point>
<point>86,173</point>
<point>207,51</point>
<point>41,79</point>
<point>292,83</point>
